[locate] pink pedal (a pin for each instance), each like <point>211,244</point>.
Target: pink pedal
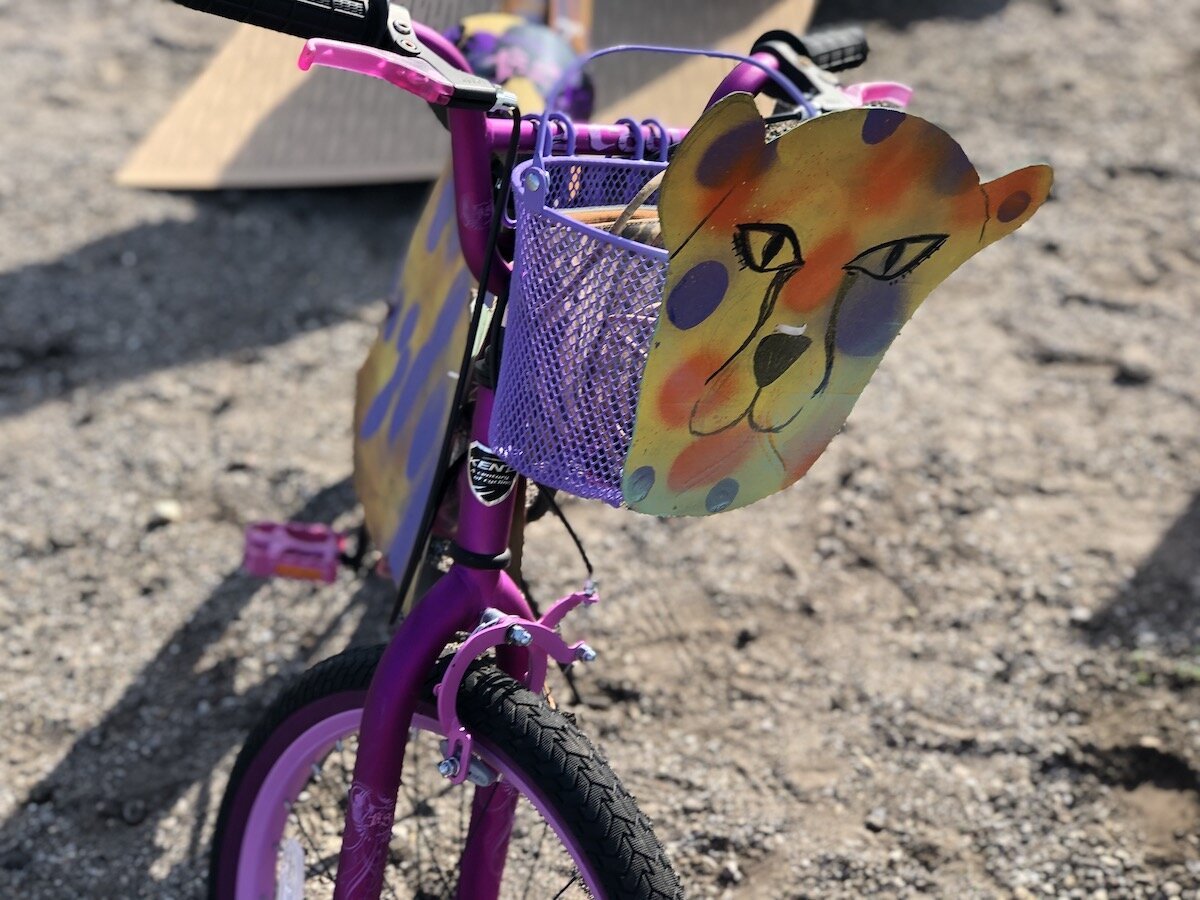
<point>308,552</point>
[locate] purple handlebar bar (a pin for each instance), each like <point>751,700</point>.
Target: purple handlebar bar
<point>474,137</point>
<point>591,139</point>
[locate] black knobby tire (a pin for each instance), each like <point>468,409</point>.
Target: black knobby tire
<point>554,756</point>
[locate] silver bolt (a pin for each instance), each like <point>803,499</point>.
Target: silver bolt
<point>489,616</point>
<point>584,653</point>
<point>533,182</point>
<point>448,767</point>
<point>520,636</point>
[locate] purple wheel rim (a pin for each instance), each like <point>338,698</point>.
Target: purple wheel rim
<point>270,795</point>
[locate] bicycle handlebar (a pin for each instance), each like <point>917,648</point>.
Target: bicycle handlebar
<point>356,21</point>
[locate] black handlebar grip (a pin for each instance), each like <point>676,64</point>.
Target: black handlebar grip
<point>356,21</point>
<point>835,49</point>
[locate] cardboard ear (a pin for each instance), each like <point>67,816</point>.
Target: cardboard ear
<point>1013,199</point>
<point>727,145</point>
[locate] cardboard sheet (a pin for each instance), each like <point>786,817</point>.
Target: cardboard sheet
<point>252,119</point>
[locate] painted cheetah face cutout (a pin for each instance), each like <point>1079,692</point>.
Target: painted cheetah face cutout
<point>793,265</point>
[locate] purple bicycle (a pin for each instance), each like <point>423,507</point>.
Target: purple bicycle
<point>536,378</point>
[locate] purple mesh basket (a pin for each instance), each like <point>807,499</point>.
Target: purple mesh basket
<point>581,314</point>
<point>581,311</point>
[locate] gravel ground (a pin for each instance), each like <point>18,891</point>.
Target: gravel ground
<point>961,658</point>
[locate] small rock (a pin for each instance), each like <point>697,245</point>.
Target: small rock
<point>876,819</point>
<point>745,637</point>
<point>1080,615</point>
<point>1135,366</point>
<point>731,873</point>
<point>164,513</point>
<point>1172,889</point>
<point>133,812</point>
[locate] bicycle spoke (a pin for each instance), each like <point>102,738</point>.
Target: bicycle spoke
<point>537,852</point>
<point>565,887</point>
<point>325,871</point>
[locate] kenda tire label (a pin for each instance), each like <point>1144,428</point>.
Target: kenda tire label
<point>492,479</point>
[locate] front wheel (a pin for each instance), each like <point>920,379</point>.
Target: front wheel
<point>576,831</point>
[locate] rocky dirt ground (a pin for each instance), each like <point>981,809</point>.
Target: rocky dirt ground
<point>961,658</point>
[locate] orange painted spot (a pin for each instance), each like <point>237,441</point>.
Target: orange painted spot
<point>816,284</point>
<point>800,467</point>
<point>888,180</point>
<point>684,386</point>
<point>709,459</point>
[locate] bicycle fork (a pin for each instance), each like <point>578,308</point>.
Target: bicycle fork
<point>488,604</point>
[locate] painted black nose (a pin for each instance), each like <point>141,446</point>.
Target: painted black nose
<point>775,354</point>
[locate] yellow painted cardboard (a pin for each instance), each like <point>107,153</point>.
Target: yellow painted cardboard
<point>793,266</point>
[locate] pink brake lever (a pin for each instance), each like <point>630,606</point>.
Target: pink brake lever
<point>411,73</point>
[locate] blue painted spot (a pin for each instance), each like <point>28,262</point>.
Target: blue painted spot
<point>956,173</point>
<point>697,294</point>
<point>393,316</point>
<point>723,493</point>
<point>432,352</point>
<point>639,483</point>
<point>739,152</point>
<point>431,427</point>
<point>405,538</point>
<point>441,216</point>
<point>378,410</point>
<point>869,319</point>
<point>881,124</point>
<point>406,330</point>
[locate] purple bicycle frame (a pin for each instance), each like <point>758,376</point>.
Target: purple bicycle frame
<point>458,600</point>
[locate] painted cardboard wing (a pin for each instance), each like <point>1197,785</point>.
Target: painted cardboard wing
<point>405,390</point>
<point>793,265</point>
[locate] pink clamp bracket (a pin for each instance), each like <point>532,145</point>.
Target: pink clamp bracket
<point>308,552</point>
<point>497,629</point>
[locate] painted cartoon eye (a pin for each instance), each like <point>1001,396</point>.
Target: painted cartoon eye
<point>896,259</point>
<point>767,248</point>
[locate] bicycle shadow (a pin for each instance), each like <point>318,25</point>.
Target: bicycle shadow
<point>247,270</point>
<point>1160,604</point>
<point>163,738</point>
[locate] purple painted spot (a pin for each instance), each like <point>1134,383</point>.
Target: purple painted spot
<point>723,493</point>
<point>639,483</point>
<point>393,316</point>
<point>405,538</point>
<point>741,151</point>
<point>431,427</point>
<point>410,325</point>
<point>881,124</point>
<point>441,216</point>
<point>956,173</point>
<point>435,354</point>
<point>1012,207</point>
<point>869,319</point>
<point>378,410</point>
<point>697,294</point>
